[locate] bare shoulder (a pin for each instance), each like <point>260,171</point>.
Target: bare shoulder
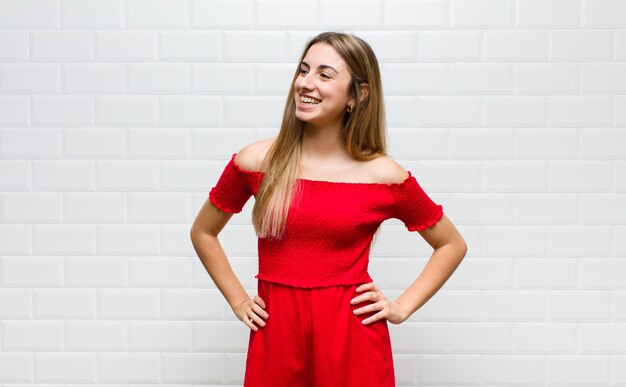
<point>251,156</point>
<point>388,171</point>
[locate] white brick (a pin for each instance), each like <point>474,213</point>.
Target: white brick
<point>94,208</point>
<point>416,13</point>
<point>157,14</point>
<point>420,337</point>
<point>620,44</point>
<point>412,78</point>
<point>128,304</point>
<point>481,13</point>
<point>95,272</point>
<point>572,306</point>
<point>603,208</point>
<point>544,78</point>
<point>449,45</point>
<point>513,306</point>
<point>95,13</point>
<point>31,271</point>
<point>14,44</point>
<point>16,304</point>
<point>130,367</point>
<point>64,304</point>
<point>391,45</point>
<point>19,13</point>
<point>602,273</point>
<point>515,45</point>
<point>157,143</point>
<point>579,176</point>
<point>604,13</point>
<point>222,78</point>
<point>15,110</point>
<point>158,208</point>
<point>514,111</point>
<point>127,239</point>
<point>33,336</point>
<point>544,209</point>
<point>32,78</point>
<point>17,367</point>
<point>122,175</point>
<point>162,78</point>
<point>66,175</point>
<point>451,306</point>
<point>545,338</point>
<point>515,176</point>
<point>253,111</point>
<point>221,13</point>
<point>619,241</point>
<point>92,78</point>
<point>61,46</point>
<point>192,368</point>
<point>283,13</point>
<point>259,46</point>
<point>602,339</point>
<point>435,369</point>
<point>126,46</point>
<point>579,241</point>
<point>64,239</point>
<point>481,143</point>
<point>603,143</point>
<point>95,336</point>
<point>190,111</point>
<point>127,110</point>
<point>350,13</point>
<point>548,13</point>
<point>16,239</point>
<point>515,241</point>
<point>618,368</point>
<point>63,110</point>
<point>479,78</point>
<point>191,304</point>
<point>513,370</point>
<point>270,78</point>
<point>158,272</point>
<point>449,176</point>
<point>159,336</point>
<point>448,111</point>
<point>221,336</point>
<point>15,175</point>
<point>477,273</point>
<point>481,209</point>
<point>27,207</point>
<point>602,78</point>
<point>545,274</point>
<point>65,367</point>
<point>89,143</point>
<point>479,338</point>
<point>581,45</point>
<point>578,371</point>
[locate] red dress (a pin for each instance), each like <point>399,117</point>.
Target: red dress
<point>308,278</point>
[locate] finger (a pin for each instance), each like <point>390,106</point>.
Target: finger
<point>259,301</point>
<point>258,319</point>
<point>249,322</point>
<point>259,311</point>
<point>362,287</point>
<point>374,318</point>
<point>368,308</point>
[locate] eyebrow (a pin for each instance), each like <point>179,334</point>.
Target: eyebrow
<point>322,66</point>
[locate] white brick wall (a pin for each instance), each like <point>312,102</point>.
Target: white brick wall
<point>117,116</point>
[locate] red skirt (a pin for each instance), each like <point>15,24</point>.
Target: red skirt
<point>312,338</point>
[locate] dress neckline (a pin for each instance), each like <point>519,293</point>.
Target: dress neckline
<point>348,183</point>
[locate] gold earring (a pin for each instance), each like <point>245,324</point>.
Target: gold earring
<point>349,109</point>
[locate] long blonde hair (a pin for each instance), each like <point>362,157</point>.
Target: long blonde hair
<point>363,133</point>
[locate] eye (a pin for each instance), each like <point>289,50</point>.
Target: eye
<point>327,76</point>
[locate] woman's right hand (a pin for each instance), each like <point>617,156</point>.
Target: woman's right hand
<point>251,311</point>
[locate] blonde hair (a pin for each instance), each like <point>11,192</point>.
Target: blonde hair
<point>363,133</point>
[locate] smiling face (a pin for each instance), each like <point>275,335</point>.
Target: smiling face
<point>323,76</point>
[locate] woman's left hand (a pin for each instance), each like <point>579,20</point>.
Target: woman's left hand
<point>390,310</point>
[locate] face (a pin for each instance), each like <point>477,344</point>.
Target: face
<point>323,76</point>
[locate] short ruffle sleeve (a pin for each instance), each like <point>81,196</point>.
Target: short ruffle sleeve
<point>413,206</point>
<point>232,190</point>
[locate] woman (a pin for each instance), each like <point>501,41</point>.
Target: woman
<point>322,188</point>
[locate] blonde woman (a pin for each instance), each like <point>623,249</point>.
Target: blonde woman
<point>322,188</point>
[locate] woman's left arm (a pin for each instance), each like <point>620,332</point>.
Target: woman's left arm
<point>450,249</point>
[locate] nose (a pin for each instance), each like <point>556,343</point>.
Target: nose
<point>305,82</point>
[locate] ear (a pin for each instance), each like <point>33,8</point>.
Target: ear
<point>365,90</point>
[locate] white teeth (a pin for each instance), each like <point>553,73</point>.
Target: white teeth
<point>309,100</point>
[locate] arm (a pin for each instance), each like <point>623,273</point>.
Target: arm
<point>204,231</point>
<point>450,249</point>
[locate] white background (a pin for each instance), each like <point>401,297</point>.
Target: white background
<point>117,117</point>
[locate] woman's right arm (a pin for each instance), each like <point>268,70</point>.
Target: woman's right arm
<point>204,231</point>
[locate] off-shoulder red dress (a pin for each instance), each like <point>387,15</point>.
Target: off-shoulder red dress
<point>308,278</point>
